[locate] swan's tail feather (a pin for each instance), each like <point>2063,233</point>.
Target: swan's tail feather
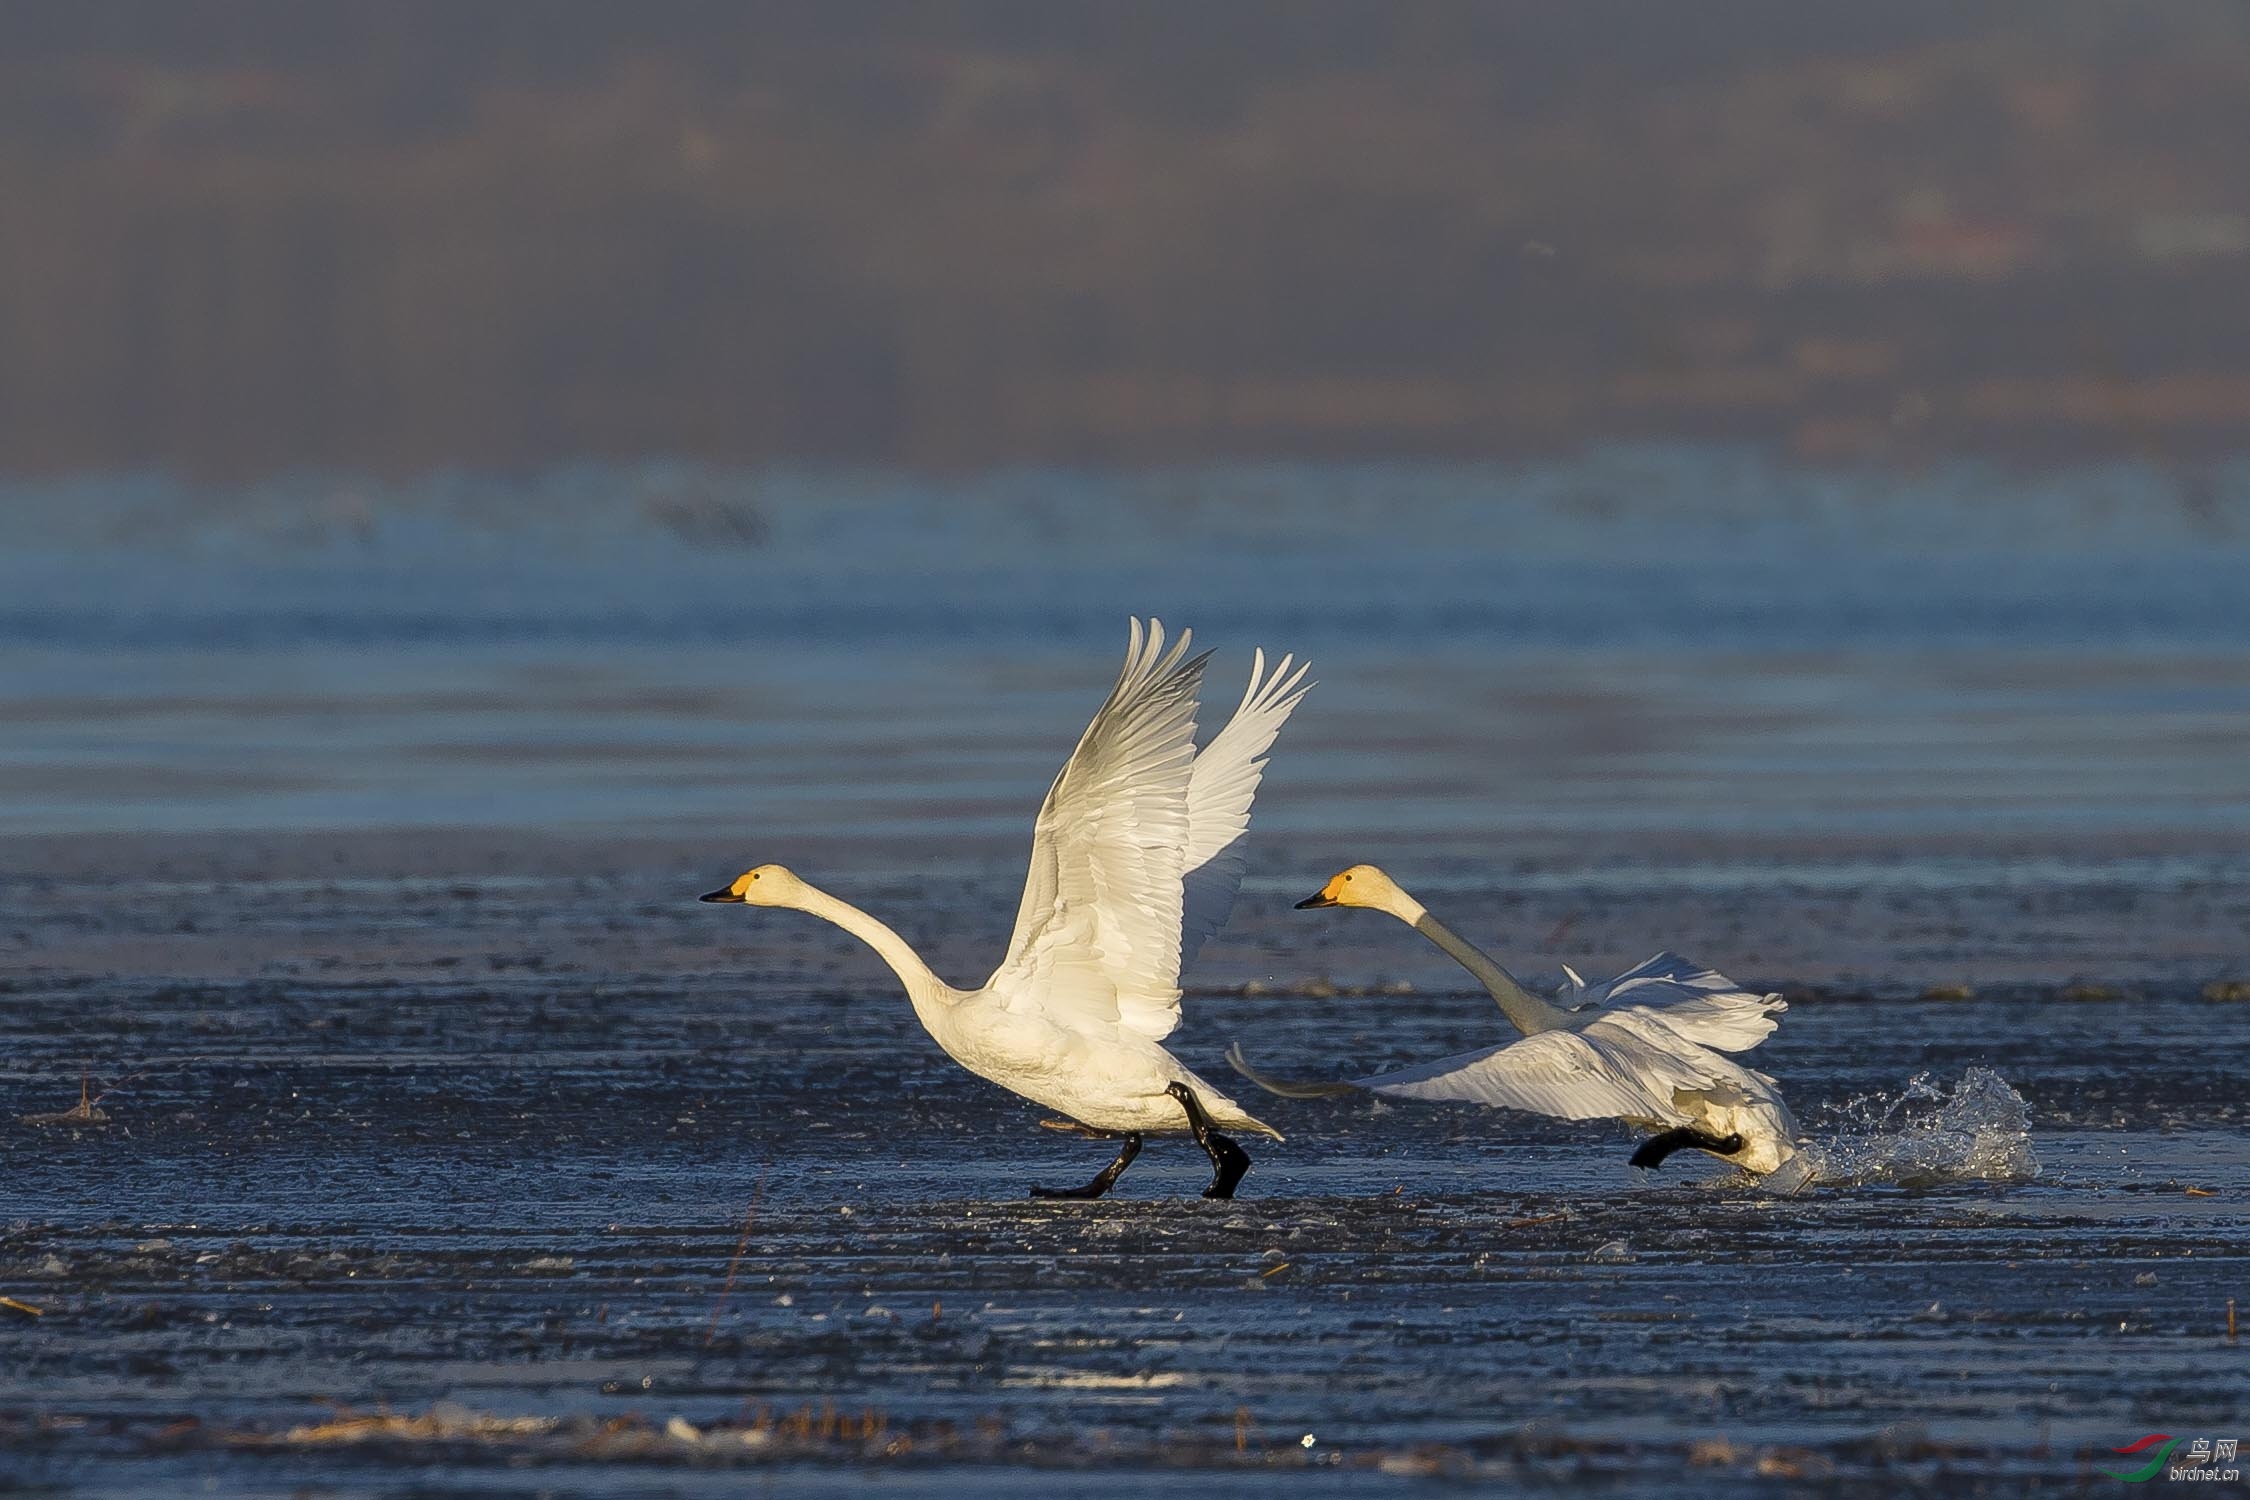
<point>1287,1088</point>
<point>1249,1125</point>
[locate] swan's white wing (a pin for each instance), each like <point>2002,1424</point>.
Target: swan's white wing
<point>1627,1065</point>
<point>1221,785</point>
<point>1572,1075</point>
<point>1097,934</point>
<point>1696,1072</point>
<point>1700,1004</point>
<point>1568,1074</point>
<point>1040,883</point>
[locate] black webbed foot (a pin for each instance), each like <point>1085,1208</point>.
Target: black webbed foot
<point>1228,1161</point>
<point>1104,1180</point>
<point>1653,1150</point>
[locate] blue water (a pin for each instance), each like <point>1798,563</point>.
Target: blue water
<point>1701,640</point>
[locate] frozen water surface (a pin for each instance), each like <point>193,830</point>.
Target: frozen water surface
<point>352,834</point>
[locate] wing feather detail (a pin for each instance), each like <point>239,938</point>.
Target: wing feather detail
<point>1628,1065</point>
<point>1221,786</point>
<point>1702,1005</point>
<point>1097,935</point>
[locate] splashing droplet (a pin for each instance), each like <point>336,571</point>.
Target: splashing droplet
<point>1977,1131</point>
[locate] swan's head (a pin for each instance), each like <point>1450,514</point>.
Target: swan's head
<point>1361,885</point>
<point>767,885</point>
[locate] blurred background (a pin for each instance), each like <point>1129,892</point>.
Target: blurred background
<point>1734,419</point>
<point>246,238</point>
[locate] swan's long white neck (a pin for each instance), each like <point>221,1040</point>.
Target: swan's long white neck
<point>1527,1012</point>
<point>923,987</point>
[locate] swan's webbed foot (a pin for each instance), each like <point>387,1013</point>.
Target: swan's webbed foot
<point>1657,1147</point>
<point>1104,1180</point>
<point>1228,1161</point>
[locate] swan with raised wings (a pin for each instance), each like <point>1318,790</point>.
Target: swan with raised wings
<point>1646,1047</point>
<point>1135,860</point>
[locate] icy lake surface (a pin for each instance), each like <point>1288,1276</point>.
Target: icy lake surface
<point>349,834</point>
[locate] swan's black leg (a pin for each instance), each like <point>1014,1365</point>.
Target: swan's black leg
<point>1657,1147</point>
<point>1104,1180</point>
<point>1228,1161</point>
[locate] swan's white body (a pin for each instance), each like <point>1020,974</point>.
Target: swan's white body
<point>1135,860</point>
<point>1647,1047</point>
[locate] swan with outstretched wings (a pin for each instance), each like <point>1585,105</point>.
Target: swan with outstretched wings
<point>1648,1047</point>
<point>1135,860</point>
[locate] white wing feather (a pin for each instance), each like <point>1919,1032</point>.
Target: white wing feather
<point>1097,935</point>
<point>1221,786</point>
<point>1702,1005</point>
<point>1572,1075</point>
<point>1624,1066</point>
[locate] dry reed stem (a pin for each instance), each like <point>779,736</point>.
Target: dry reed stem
<point>749,1221</point>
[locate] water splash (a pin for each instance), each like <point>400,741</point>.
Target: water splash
<point>1979,1130</point>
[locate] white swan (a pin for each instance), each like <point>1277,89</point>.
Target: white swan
<point>1135,860</point>
<point>1644,1048</point>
